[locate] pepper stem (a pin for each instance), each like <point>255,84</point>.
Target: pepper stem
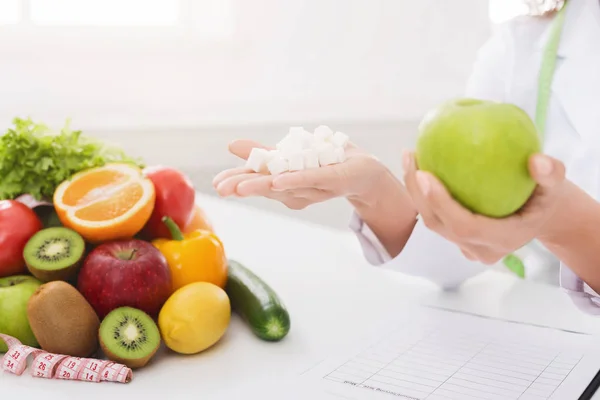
<point>173,228</point>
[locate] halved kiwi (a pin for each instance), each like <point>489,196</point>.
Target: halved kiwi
<point>129,336</point>
<point>54,254</point>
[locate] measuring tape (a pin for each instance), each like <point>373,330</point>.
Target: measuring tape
<point>56,366</point>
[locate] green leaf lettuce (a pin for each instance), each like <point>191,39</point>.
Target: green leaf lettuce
<point>34,160</point>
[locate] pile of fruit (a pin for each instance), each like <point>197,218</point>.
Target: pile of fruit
<point>120,260</point>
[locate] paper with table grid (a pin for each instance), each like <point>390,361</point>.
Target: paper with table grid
<point>436,354</point>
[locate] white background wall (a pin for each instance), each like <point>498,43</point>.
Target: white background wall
<point>288,61</point>
<point>370,68</point>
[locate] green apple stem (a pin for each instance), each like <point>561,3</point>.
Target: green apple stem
<point>173,228</point>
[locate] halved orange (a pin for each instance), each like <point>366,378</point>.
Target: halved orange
<point>106,203</point>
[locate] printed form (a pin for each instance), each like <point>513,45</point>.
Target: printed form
<point>436,354</point>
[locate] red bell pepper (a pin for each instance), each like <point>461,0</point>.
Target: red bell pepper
<point>175,198</point>
<point>18,223</point>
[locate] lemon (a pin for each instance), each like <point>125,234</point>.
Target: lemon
<point>194,318</point>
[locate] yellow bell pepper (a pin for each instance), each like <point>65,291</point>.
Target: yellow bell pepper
<point>196,256</point>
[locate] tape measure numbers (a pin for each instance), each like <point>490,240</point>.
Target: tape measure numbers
<point>56,366</point>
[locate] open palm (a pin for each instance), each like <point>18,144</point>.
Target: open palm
<point>299,189</point>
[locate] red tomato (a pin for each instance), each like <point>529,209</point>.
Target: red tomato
<point>18,223</point>
<point>175,198</point>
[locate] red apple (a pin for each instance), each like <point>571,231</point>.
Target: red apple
<point>121,273</point>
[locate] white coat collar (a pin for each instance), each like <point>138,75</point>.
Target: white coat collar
<point>576,83</point>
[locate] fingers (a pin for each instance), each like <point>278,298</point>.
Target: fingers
<point>257,186</point>
<point>468,255</point>
<point>254,184</point>
<point>228,173</point>
<point>412,186</point>
<point>229,186</point>
<point>458,220</point>
<point>294,203</point>
<point>550,176</point>
<point>242,148</point>
<point>546,171</point>
<point>484,255</point>
<point>444,215</point>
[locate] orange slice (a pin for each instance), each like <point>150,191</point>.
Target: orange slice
<point>105,203</point>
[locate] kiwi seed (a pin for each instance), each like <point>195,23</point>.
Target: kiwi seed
<point>129,336</point>
<point>54,254</point>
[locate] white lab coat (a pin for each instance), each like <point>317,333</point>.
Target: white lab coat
<point>506,70</point>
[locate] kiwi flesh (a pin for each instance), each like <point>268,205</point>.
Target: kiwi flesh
<point>129,336</point>
<point>62,320</point>
<point>54,254</point>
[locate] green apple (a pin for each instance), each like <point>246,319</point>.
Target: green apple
<point>15,292</point>
<point>480,150</point>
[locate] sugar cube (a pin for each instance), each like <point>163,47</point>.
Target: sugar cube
<point>278,165</point>
<point>340,154</point>
<point>290,149</point>
<point>307,139</point>
<point>339,139</point>
<point>311,158</point>
<point>327,154</point>
<point>299,137</point>
<point>257,159</point>
<point>323,133</point>
<point>300,149</point>
<point>292,143</point>
<point>296,161</point>
<point>285,141</point>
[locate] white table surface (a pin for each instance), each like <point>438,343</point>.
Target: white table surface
<point>333,296</point>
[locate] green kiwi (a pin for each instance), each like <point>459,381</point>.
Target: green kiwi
<point>129,336</point>
<point>54,254</point>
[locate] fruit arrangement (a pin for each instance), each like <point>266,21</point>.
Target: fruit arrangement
<point>116,258</point>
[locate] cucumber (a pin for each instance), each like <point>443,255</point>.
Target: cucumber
<point>256,303</point>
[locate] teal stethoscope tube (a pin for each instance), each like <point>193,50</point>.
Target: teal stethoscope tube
<point>513,261</point>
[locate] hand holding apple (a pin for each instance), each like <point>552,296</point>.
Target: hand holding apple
<point>478,180</point>
<point>482,238</point>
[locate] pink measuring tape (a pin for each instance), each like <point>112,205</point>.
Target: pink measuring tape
<point>55,366</point>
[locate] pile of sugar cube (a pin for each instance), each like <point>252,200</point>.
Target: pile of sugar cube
<point>300,150</point>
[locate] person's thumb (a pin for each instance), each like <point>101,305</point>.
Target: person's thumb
<point>242,148</point>
<point>546,171</point>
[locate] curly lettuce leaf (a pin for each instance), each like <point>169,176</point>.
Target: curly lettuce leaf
<point>34,160</point>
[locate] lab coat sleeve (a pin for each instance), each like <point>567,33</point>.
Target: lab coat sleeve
<point>584,297</point>
<point>427,254</point>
